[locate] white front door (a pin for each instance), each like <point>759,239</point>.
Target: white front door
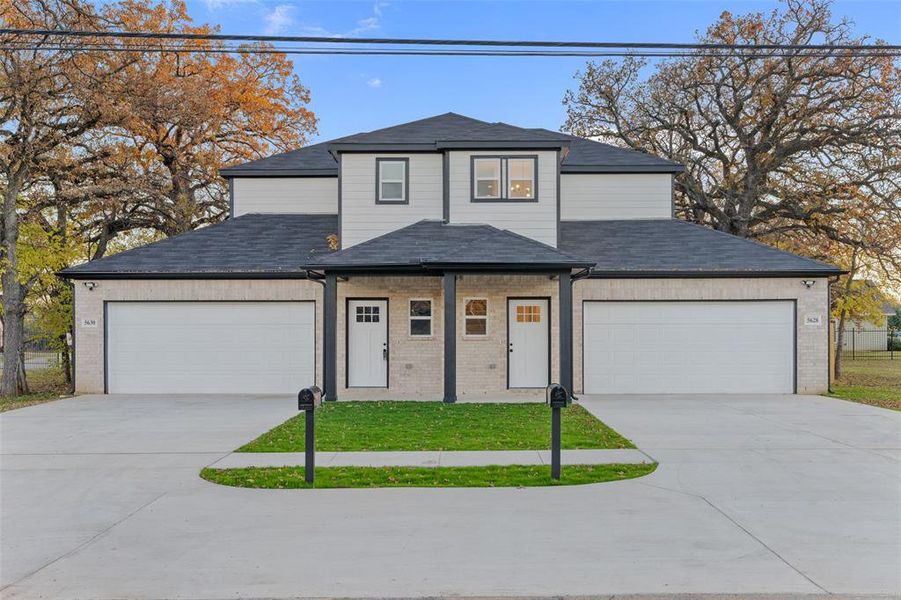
<point>528,343</point>
<point>367,343</point>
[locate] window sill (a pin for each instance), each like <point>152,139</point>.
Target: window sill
<point>503,200</point>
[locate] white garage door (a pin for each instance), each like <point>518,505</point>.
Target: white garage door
<point>210,347</point>
<point>688,347</point>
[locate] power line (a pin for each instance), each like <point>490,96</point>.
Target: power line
<point>424,52</point>
<point>443,42</point>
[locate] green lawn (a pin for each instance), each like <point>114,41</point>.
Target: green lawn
<point>378,477</point>
<point>875,382</point>
<point>347,426</point>
<point>45,385</point>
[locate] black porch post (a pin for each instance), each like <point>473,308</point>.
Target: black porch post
<point>450,337</point>
<point>330,337</point>
<point>566,332</point>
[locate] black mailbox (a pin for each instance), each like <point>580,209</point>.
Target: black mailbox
<point>309,398</point>
<point>557,396</point>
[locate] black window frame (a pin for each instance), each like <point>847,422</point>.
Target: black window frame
<point>378,179</point>
<point>504,177</point>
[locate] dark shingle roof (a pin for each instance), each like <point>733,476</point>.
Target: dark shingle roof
<point>453,130</point>
<point>434,243</point>
<point>588,156</point>
<point>312,160</point>
<point>450,127</point>
<point>673,247</point>
<point>253,244</point>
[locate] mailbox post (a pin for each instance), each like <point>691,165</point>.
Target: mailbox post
<point>308,400</point>
<point>557,398</point>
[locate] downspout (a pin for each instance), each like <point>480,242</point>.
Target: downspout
<point>584,273</point>
<point>320,279</point>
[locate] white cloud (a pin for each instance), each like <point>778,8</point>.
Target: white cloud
<point>217,4</point>
<point>279,19</point>
<point>362,25</point>
<point>375,82</point>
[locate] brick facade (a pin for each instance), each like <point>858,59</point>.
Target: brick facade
<point>416,364</point>
<point>89,351</point>
<point>812,341</point>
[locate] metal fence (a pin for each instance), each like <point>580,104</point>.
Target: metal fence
<point>39,359</point>
<point>871,344</point>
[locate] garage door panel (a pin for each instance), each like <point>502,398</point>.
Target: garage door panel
<point>210,347</point>
<point>688,347</point>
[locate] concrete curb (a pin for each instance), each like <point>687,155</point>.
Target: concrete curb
<point>476,458</point>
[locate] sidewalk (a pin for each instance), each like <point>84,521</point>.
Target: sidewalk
<point>474,458</point>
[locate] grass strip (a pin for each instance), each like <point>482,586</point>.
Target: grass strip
<point>285,478</point>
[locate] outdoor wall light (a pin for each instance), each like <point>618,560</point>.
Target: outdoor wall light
<point>808,283</point>
<point>90,285</point>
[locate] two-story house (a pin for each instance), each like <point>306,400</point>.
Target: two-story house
<point>451,258</point>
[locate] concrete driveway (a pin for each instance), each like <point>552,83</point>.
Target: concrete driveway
<point>764,494</point>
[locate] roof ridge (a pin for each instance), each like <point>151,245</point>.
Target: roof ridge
<point>371,241</point>
<point>534,241</point>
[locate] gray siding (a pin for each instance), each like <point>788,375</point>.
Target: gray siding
<point>536,220</point>
<point>592,197</point>
<point>362,219</point>
<point>299,195</point>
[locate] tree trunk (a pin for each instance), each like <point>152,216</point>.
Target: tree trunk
<point>14,382</point>
<point>843,315</point>
<point>66,362</point>
<point>839,340</point>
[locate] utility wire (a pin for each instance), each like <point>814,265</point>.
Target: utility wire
<point>413,52</point>
<point>442,42</point>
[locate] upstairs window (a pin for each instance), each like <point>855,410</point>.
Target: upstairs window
<point>504,178</point>
<point>487,178</point>
<point>392,180</point>
<point>521,178</point>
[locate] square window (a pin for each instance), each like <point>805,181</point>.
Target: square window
<point>477,308</point>
<point>420,308</point>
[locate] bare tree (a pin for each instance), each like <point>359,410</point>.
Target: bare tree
<point>772,144</point>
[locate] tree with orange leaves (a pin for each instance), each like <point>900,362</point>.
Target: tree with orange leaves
<point>98,141</point>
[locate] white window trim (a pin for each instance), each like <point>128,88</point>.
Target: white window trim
<point>411,318</point>
<point>403,181</point>
<point>476,336</point>
<point>476,179</point>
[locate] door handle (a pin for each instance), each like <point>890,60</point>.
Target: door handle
<point>385,351</point>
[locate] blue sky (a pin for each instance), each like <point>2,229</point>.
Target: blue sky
<point>353,93</point>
